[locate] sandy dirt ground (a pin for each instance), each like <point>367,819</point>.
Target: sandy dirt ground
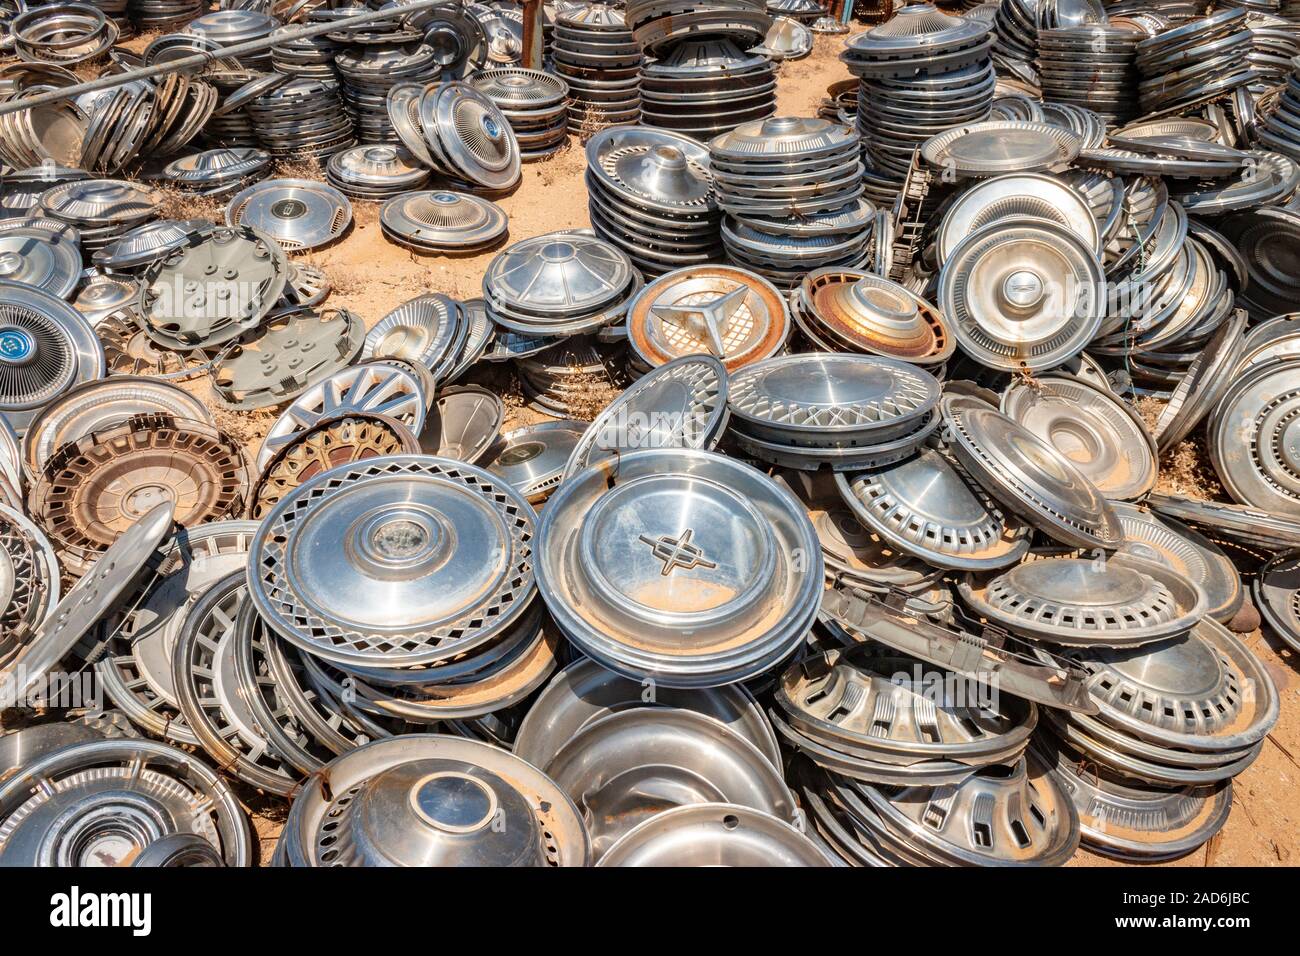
<point>371,276</point>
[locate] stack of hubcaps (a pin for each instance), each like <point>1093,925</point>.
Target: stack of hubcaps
<point>845,411</point>
<point>922,72</point>
<point>650,193</point>
<point>1195,62</point>
<point>561,283</point>
<point>791,188</point>
<point>704,87</point>
<point>864,716</point>
<point>442,220</point>
<point>595,52</point>
<point>99,209</point>
<point>533,102</point>
<point>369,72</point>
<point>303,117</point>
<point>1092,66</point>
<point>845,310</point>
<point>451,543</point>
<point>376,172</point>
<point>217,172</point>
<point>684,567</point>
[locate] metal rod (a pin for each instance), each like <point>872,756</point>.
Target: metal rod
<point>532,51</point>
<point>199,60</point>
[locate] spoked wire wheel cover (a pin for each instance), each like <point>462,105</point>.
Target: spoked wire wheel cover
<point>375,388</point>
<point>1121,602</point>
<point>1029,476</point>
<point>1023,295</point>
<point>927,507</point>
<point>29,580</point>
<point>473,136</point>
<point>95,488</point>
<point>1254,438</point>
<point>425,799</point>
<point>1099,434</point>
<point>451,546</point>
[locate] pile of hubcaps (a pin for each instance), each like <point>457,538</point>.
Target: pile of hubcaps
<point>676,566</point>
<point>559,284</point>
<point>703,87</point>
<point>595,52</point>
<point>533,102</point>
<point>845,411</point>
<point>791,189</point>
<point>921,73</point>
<point>650,193</point>
<point>832,530</point>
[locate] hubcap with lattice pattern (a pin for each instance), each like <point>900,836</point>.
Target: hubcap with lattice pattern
<point>449,544</point>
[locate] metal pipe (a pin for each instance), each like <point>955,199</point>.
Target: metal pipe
<point>532,52</point>
<point>200,60</point>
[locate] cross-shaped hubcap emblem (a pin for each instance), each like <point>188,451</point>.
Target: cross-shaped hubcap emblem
<point>678,552</point>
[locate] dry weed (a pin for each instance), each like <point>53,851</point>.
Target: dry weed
<point>299,167</point>
<point>1188,471</point>
<point>365,213</point>
<point>597,392</point>
<point>1149,407</point>
<point>177,203</point>
<point>593,121</point>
